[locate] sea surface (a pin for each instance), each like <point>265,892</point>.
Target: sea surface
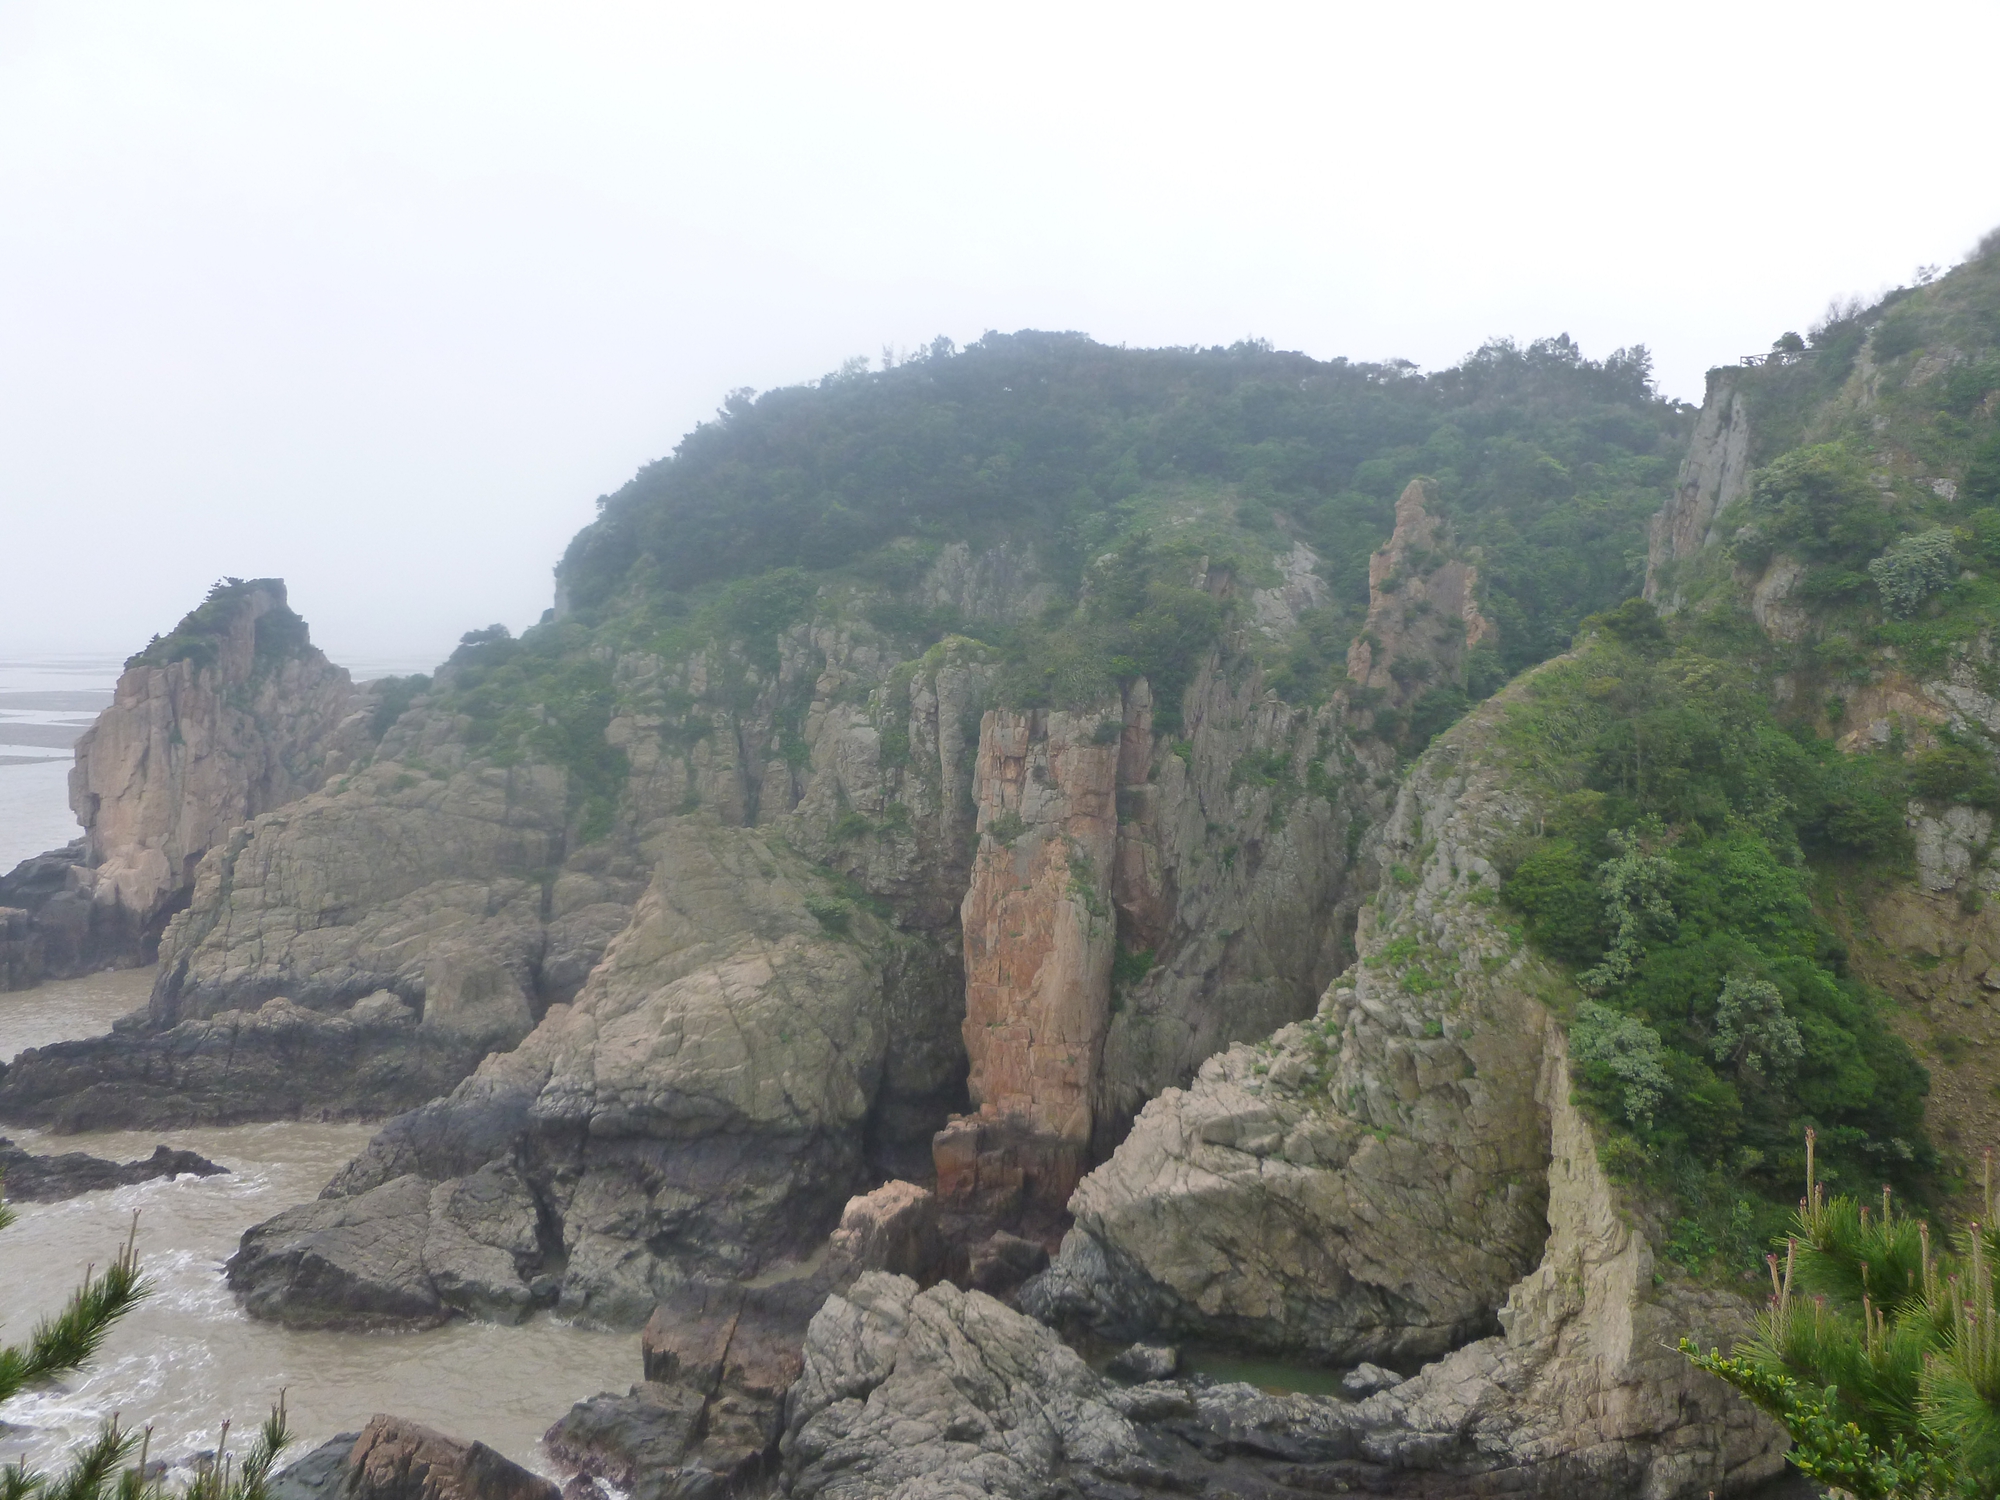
<point>188,1356</point>
<point>45,703</point>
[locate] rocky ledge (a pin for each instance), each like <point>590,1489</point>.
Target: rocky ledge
<point>46,1179</point>
<point>280,1061</point>
<point>944,1393</point>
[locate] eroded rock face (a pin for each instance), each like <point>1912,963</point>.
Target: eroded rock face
<point>236,714</point>
<point>1423,617</point>
<point>1404,1174</point>
<point>193,747</point>
<point>1712,477</point>
<point>698,1113</point>
<point>1039,930</point>
<point>367,886</point>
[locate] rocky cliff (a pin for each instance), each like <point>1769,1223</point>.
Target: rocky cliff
<point>1404,1178</point>
<point>953,861</point>
<point>233,714</point>
<point>1423,613</point>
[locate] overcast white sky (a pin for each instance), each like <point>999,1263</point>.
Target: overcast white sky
<point>380,297</point>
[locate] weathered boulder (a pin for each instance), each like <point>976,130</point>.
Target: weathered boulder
<point>407,1253</point>
<point>279,1061</point>
<point>894,1228</point>
<point>641,1442</point>
<point>943,1393</point>
<point>44,1179</point>
<point>395,1459</point>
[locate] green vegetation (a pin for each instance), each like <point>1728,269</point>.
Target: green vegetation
<point>280,634</point>
<point>1676,875</point>
<point>542,698</point>
<point>1880,1353</point>
<point>1545,461</point>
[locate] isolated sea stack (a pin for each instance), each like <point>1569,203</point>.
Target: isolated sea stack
<point>231,714</point>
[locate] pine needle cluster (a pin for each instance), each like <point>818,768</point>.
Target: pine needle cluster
<point>116,1465</point>
<point>1880,1349</point>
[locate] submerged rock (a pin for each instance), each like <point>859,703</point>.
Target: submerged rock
<point>45,1179</point>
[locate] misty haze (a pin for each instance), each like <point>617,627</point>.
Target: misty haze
<point>1077,753</point>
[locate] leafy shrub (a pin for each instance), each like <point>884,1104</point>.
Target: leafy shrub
<point>1955,773</point>
<point>1914,569</point>
<point>1006,826</point>
<point>1625,1051</point>
<point>1817,504</point>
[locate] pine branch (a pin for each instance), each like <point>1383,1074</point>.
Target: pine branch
<point>68,1340</point>
<point>91,1471</point>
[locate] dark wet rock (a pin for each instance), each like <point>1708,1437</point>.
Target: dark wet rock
<point>281,1061</point>
<point>1141,1362</point>
<point>409,1253</point>
<point>1003,1262</point>
<point>317,1476</point>
<point>44,1179</point>
<point>638,1441</point>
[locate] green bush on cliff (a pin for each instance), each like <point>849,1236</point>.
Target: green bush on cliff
<point>543,698</point>
<point>1675,876</point>
<point>280,633</point>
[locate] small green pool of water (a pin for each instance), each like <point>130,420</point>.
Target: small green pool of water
<point>1279,1377</point>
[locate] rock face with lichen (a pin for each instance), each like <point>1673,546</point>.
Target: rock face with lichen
<point>1423,610</point>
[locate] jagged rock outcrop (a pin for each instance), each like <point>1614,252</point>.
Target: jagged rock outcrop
<point>1714,474</point>
<point>1040,937</point>
<point>1423,609</point>
<point>396,1459</point>
<point>278,1062</point>
<point>234,714</point>
<point>1405,1174</point>
<point>46,1179</point>
<point>948,1393</point>
<point>700,1112</point>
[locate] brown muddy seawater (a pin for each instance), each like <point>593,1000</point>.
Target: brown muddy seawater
<point>188,1356</point>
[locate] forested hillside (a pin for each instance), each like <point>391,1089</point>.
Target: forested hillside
<point>1766,863</point>
<point>1547,462</point>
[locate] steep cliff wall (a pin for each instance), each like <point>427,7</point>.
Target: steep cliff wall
<point>1712,477</point>
<point>1039,931</point>
<point>1404,1177</point>
<point>233,714</point>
